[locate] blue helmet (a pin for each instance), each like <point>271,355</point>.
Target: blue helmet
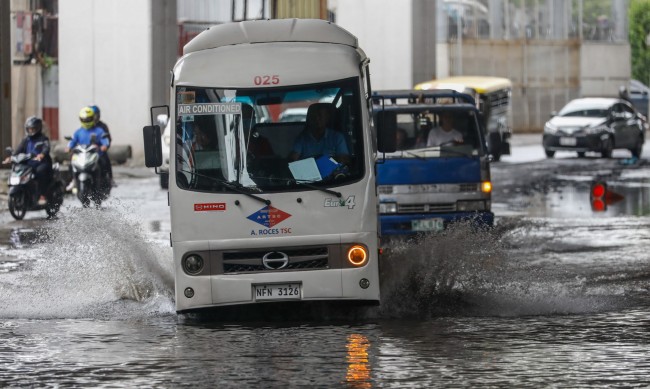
<point>96,110</point>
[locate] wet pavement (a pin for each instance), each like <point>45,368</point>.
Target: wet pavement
<point>555,295</point>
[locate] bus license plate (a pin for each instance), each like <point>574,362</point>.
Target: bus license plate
<point>277,292</point>
<point>564,141</point>
<point>427,225</point>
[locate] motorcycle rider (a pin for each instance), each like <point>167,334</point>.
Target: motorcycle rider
<point>37,144</point>
<point>83,135</point>
<point>104,126</point>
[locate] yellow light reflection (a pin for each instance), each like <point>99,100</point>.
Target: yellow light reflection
<point>358,373</point>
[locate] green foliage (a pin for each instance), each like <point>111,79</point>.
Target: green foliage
<point>639,17</point>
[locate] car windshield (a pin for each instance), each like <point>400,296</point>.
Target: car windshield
<point>437,133</point>
<point>584,109</point>
<point>223,143</point>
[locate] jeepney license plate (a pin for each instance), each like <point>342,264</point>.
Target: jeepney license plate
<point>565,141</point>
<point>277,292</point>
<point>426,225</point>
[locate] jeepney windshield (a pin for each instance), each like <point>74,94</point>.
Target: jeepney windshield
<point>437,133</point>
<point>270,139</point>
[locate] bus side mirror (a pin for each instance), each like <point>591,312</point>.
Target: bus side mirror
<point>152,146</point>
<point>386,131</point>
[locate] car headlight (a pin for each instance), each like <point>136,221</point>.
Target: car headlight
<point>387,207</point>
<point>550,128</point>
<point>471,205</point>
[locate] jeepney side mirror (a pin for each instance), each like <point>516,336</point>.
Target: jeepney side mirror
<point>152,146</point>
<point>386,131</point>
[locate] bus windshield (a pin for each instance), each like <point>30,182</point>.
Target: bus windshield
<point>271,139</point>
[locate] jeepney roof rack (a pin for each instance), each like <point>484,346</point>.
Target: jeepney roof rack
<point>437,96</point>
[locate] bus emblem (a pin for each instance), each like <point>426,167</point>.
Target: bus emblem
<point>269,216</point>
<point>275,260</point>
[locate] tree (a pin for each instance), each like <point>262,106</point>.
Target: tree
<point>639,17</point>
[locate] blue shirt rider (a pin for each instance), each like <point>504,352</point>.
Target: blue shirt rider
<point>84,136</point>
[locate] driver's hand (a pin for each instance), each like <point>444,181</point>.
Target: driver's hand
<point>103,148</point>
<point>6,160</point>
<point>39,157</point>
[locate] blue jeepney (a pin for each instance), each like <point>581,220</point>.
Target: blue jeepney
<point>440,170</point>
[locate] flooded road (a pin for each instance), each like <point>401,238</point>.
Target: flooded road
<point>555,295</point>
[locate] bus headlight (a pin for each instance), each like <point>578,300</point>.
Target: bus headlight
<point>472,205</point>
<point>192,264</point>
<point>387,207</point>
<point>358,255</point>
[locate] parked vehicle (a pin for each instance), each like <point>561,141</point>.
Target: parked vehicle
<point>430,182</point>
<point>640,97</point>
<point>252,219</point>
<point>23,189</point>
<point>298,114</point>
<point>594,124</point>
<point>92,183</point>
<point>492,96</point>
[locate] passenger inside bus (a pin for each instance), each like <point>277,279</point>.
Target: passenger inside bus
<point>319,138</point>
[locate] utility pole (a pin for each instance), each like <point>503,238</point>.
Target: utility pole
<point>5,76</point>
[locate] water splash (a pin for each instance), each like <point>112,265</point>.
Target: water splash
<point>497,272</point>
<point>91,263</point>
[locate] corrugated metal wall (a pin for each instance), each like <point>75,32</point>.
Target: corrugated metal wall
<point>303,9</point>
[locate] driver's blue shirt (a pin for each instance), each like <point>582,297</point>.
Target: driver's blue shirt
<point>83,137</point>
<point>331,144</point>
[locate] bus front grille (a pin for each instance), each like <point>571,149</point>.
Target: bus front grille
<point>312,258</point>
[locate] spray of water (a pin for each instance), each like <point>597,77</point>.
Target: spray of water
<point>92,263</point>
<point>496,272</point>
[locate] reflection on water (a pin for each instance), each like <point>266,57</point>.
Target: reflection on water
<point>569,199</point>
<point>358,372</point>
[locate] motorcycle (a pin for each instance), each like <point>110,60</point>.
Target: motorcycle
<point>91,181</point>
<point>23,188</point>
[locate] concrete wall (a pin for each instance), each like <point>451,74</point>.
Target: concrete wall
<point>5,76</point>
<point>602,75</point>
<point>385,32</point>
<point>114,55</point>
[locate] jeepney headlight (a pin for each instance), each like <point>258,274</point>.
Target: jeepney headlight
<point>358,255</point>
<point>192,264</point>
<point>385,189</point>
<point>471,205</point>
<point>550,128</point>
<point>486,187</point>
<point>387,207</point>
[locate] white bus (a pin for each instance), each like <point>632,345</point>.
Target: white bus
<point>264,210</point>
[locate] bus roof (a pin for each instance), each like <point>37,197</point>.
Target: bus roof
<point>480,84</point>
<point>265,31</point>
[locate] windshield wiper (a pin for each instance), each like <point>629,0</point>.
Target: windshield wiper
<point>235,187</point>
<point>329,191</point>
<point>445,150</point>
<point>305,184</point>
<point>413,154</point>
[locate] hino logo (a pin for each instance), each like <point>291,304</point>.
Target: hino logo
<point>275,260</point>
